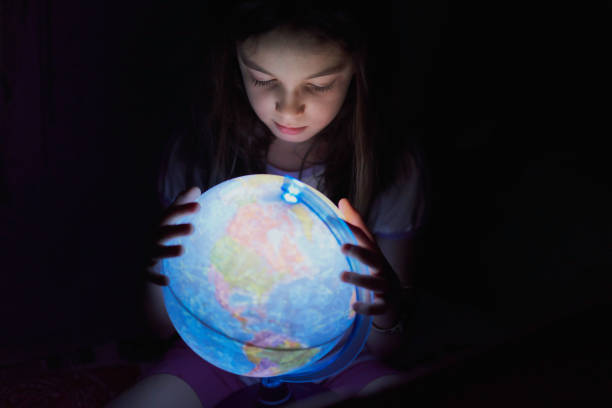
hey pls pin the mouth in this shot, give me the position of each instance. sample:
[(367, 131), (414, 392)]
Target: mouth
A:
[(290, 130)]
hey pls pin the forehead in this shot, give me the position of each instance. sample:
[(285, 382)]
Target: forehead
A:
[(283, 43)]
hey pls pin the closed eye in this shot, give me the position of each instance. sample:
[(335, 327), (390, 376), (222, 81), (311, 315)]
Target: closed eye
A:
[(262, 83), (322, 88), (313, 87)]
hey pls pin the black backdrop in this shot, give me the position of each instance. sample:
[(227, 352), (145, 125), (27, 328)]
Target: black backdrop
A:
[(509, 102)]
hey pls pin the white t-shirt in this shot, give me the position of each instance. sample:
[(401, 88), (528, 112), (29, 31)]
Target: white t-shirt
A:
[(396, 213)]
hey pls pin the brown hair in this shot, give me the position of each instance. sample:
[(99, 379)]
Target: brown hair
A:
[(354, 165)]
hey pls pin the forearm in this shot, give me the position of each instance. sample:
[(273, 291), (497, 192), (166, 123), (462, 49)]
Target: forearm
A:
[(155, 313), (385, 345)]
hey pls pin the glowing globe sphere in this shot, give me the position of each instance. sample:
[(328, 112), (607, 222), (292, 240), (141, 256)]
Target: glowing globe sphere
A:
[(257, 290)]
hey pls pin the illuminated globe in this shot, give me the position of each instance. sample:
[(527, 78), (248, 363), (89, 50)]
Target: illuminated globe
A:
[(257, 290)]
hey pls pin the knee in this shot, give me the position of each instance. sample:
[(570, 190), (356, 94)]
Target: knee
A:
[(159, 390), (381, 383)]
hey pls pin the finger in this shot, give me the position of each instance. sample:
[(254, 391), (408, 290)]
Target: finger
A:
[(364, 255), (353, 217), (170, 251), (191, 194), (175, 212), (361, 236), (167, 232), (372, 283), (157, 279), (377, 307)]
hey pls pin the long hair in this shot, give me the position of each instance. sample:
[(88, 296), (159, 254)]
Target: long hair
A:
[(354, 164)]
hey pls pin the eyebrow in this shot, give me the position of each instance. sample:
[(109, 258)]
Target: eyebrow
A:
[(327, 71)]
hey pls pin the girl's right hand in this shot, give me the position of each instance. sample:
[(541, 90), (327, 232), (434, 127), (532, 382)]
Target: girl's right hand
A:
[(183, 205)]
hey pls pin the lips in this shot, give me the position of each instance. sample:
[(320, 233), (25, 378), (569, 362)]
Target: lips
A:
[(289, 129)]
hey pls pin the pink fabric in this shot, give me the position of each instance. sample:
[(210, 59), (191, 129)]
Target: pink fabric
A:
[(212, 385)]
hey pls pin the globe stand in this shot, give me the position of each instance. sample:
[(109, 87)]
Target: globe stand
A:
[(271, 392)]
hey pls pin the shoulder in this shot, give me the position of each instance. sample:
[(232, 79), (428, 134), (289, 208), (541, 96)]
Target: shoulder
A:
[(398, 211)]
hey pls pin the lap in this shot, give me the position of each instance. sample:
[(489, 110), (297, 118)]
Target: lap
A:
[(158, 390), (212, 384), (363, 374)]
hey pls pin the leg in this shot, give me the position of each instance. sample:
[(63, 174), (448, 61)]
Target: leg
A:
[(381, 383), (158, 390), (182, 374), (365, 375)]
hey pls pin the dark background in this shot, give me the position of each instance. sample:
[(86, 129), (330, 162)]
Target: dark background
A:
[(510, 103)]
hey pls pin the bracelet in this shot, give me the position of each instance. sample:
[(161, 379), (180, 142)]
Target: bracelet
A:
[(397, 328), (407, 292)]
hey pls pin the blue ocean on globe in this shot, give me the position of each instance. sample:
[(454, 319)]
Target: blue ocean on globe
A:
[(257, 290)]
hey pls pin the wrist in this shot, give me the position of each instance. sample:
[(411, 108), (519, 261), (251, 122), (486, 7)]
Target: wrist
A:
[(386, 320), (398, 327), (393, 320)]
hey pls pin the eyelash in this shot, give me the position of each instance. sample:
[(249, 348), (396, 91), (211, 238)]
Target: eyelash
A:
[(313, 87)]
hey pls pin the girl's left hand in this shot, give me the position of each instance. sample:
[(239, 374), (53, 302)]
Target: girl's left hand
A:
[(382, 280)]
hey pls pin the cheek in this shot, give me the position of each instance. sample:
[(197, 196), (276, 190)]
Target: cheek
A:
[(328, 107), (332, 102), (259, 100), (323, 112)]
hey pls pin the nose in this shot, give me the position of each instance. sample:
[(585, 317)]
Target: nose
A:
[(290, 106)]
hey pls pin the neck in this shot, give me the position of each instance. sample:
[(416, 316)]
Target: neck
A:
[(289, 156)]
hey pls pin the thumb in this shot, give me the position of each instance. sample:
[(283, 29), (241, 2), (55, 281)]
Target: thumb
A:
[(189, 195), (352, 216)]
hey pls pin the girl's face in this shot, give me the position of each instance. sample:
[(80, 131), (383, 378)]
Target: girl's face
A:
[(295, 84)]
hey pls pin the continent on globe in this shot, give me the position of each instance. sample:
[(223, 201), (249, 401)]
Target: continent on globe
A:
[(279, 354), (257, 289)]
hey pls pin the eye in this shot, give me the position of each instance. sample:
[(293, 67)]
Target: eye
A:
[(313, 87), (322, 88), (262, 83)]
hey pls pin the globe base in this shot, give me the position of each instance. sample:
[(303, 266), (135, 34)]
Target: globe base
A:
[(259, 396)]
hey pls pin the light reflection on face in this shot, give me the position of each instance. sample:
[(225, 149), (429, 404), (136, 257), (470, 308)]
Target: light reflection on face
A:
[(295, 81)]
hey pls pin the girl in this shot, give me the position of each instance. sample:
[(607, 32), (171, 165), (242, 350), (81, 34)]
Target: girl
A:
[(293, 93)]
